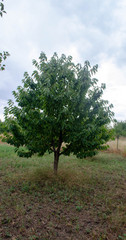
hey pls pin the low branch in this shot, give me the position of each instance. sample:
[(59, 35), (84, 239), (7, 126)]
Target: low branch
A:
[(65, 150), (60, 141)]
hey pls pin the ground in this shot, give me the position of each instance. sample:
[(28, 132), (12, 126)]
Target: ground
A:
[(87, 200)]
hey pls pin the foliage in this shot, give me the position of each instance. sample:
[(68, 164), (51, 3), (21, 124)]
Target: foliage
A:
[(3, 55), (60, 103), (2, 9), (120, 129), (3, 127)]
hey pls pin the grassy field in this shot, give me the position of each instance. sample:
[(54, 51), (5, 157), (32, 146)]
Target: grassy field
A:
[(87, 200)]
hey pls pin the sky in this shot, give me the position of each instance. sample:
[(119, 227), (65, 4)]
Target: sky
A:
[(92, 30)]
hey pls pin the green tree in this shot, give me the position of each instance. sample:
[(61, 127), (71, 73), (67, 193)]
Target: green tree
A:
[(120, 130), (5, 54), (3, 57), (2, 8), (3, 127), (59, 109)]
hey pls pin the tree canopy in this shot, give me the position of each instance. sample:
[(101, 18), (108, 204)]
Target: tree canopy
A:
[(59, 109), (5, 54), (3, 57), (3, 127), (120, 130), (2, 8)]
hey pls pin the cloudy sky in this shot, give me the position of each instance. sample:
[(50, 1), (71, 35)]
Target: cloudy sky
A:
[(92, 30)]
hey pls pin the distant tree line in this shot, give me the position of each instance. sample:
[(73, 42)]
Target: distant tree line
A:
[(119, 130)]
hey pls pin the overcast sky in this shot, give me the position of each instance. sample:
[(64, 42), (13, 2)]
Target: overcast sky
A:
[(92, 30)]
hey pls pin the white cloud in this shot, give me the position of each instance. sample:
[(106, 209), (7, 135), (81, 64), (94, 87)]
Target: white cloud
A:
[(115, 80), (93, 30), (111, 73), (2, 105)]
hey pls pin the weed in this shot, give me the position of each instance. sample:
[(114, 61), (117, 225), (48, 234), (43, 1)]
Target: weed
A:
[(8, 235), (88, 230), (122, 237), (33, 237), (5, 220), (77, 227), (79, 208), (11, 189)]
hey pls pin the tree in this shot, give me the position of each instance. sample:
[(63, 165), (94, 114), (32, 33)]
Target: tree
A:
[(3, 127), (2, 8), (5, 54), (59, 109), (120, 130), (3, 57)]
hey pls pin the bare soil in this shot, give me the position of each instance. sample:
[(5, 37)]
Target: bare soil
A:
[(43, 218)]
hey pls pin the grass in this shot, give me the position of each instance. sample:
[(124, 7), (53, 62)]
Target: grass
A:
[(87, 200), (121, 146)]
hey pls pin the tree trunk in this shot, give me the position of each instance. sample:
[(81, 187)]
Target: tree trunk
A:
[(57, 152), (56, 160), (117, 143)]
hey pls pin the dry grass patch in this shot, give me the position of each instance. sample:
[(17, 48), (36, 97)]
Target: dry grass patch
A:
[(121, 146)]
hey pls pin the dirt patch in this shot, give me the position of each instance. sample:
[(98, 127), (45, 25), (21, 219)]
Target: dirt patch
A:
[(46, 214), (44, 219)]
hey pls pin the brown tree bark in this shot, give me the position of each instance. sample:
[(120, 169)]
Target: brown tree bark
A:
[(56, 161), (57, 152)]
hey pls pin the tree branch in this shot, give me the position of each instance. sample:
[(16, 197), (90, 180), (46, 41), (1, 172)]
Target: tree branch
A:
[(65, 150), (60, 141)]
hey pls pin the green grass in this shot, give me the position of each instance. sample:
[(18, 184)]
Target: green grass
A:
[(87, 198)]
